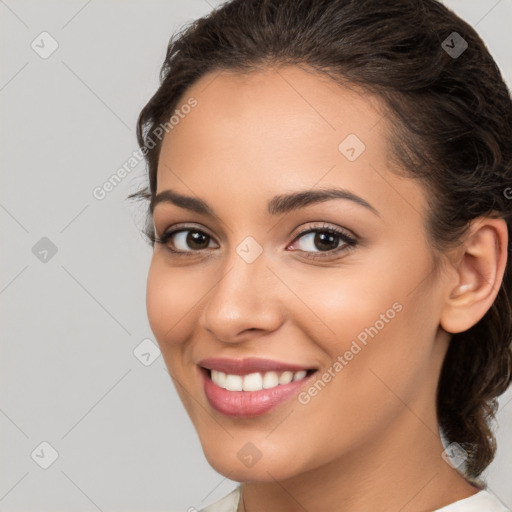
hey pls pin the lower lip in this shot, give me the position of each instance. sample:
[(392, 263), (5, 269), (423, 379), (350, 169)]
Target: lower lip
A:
[(246, 404)]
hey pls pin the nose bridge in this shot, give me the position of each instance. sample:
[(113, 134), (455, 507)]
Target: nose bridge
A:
[(244, 296)]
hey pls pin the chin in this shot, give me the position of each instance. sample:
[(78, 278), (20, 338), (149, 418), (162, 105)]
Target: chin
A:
[(239, 461)]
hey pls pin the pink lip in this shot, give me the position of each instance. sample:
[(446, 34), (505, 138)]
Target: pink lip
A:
[(249, 365), (246, 404)]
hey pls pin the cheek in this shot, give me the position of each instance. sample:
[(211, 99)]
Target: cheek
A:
[(168, 300), (344, 306), (156, 292), (377, 320)]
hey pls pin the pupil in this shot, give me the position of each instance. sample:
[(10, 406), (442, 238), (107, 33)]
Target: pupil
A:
[(321, 239), (195, 238)]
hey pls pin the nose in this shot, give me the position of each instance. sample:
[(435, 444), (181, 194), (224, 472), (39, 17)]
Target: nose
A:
[(244, 299)]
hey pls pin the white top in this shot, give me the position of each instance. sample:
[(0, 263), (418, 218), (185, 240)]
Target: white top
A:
[(482, 501)]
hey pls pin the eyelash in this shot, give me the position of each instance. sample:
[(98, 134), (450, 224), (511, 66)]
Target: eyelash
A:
[(349, 242)]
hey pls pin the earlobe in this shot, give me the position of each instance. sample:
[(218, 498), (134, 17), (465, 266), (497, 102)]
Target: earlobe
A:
[(479, 269)]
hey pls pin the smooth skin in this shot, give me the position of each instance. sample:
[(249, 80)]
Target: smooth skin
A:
[(369, 440)]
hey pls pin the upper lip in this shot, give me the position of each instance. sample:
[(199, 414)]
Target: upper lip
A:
[(249, 365)]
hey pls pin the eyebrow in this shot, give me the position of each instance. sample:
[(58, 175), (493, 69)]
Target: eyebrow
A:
[(277, 205)]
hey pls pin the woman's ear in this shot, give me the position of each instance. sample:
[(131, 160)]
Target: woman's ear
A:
[(480, 266)]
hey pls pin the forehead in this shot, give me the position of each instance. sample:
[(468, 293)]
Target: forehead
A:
[(281, 128), (285, 104)]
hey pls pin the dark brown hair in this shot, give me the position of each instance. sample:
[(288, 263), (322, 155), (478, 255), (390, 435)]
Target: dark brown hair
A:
[(450, 121)]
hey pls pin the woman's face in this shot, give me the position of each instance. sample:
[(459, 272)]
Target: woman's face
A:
[(362, 308)]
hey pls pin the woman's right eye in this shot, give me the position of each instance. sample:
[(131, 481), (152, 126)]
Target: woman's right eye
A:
[(181, 241)]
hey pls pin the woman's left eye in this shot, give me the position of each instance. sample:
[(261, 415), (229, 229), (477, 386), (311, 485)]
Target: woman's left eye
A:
[(329, 241)]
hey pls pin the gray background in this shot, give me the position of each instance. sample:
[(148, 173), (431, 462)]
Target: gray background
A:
[(70, 324)]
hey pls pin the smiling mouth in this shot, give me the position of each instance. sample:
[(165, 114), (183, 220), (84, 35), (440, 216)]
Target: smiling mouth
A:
[(255, 381)]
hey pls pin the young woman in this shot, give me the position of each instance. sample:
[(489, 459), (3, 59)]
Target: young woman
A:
[(330, 212)]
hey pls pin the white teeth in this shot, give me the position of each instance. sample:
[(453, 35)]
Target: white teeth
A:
[(233, 382), (255, 381), (286, 377), (270, 380), (219, 378), (252, 382), (299, 375)]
